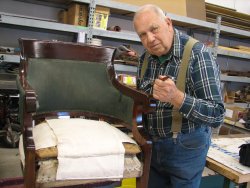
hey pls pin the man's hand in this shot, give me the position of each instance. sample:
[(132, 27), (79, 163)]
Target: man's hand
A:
[(123, 50), (165, 90)]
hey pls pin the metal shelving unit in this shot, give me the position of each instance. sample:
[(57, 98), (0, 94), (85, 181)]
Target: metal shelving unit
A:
[(9, 58), (131, 36), (180, 20), (25, 22), (235, 31), (233, 54), (39, 24), (117, 6), (235, 79)]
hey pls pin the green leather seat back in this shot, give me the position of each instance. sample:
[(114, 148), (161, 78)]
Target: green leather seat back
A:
[(72, 85)]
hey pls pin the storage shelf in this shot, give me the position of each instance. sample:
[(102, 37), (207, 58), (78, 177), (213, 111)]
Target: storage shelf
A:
[(233, 53), (235, 79), (132, 9), (22, 21), (237, 32), (241, 105), (125, 68), (35, 23), (117, 35), (9, 58), (236, 125), (189, 22)]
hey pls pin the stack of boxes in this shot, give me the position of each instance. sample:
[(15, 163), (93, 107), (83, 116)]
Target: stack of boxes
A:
[(77, 14), (128, 80)]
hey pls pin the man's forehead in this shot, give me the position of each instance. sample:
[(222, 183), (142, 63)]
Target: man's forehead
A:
[(146, 27)]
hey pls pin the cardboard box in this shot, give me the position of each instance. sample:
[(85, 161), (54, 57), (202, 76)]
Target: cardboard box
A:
[(63, 16), (229, 97), (234, 113), (101, 17), (128, 80), (190, 8), (78, 14)]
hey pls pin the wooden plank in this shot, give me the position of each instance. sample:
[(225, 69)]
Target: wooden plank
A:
[(227, 11), (228, 18), (227, 172), (215, 14), (229, 24), (244, 48), (234, 50), (223, 170)]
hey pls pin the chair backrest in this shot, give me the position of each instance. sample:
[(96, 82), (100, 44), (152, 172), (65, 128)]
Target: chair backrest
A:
[(71, 77)]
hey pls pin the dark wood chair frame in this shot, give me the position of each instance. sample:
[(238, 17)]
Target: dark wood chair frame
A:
[(32, 48)]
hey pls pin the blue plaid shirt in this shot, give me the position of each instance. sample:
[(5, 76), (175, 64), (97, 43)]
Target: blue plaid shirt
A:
[(202, 105)]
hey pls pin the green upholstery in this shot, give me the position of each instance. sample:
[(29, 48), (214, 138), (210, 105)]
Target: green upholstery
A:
[(70, 85)]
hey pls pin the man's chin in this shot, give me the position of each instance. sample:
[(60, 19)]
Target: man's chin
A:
[(157, 52)]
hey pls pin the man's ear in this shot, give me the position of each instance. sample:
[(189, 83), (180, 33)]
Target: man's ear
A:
[(168, 21)]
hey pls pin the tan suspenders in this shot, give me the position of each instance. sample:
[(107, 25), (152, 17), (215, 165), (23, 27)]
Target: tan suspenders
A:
[(181, 85), (180, 82), (144, 65)]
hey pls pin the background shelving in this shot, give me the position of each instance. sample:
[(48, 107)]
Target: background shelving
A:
[(51, 29)]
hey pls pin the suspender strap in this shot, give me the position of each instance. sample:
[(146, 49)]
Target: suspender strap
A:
[(144, 65), (181, 84)]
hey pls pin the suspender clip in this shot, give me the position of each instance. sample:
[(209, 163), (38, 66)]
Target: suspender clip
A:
[(175, 134)]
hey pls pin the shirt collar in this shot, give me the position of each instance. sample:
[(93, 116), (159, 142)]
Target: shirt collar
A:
[(180, 40)]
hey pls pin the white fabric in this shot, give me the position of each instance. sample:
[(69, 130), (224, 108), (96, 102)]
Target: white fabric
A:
[(44, 136), (21, 150), (102, 152)]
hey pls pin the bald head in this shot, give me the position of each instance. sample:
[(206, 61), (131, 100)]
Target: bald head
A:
[(154, 29), (150, 8)]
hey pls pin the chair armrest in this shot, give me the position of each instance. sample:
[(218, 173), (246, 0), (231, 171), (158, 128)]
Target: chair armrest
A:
[(27, 105), (141, 98), (142, 105), (29, 96)]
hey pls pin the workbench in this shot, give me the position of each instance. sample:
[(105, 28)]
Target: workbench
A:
[(223, 158)]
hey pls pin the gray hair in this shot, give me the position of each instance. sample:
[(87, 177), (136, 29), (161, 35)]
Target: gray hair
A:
[(150, 7)]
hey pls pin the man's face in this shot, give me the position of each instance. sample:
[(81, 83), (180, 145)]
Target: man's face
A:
[(156, 33)]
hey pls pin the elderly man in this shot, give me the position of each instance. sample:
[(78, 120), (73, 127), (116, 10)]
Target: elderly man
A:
[(180, 126)]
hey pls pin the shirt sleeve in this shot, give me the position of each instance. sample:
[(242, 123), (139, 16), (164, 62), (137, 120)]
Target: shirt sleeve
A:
[(204, 104)]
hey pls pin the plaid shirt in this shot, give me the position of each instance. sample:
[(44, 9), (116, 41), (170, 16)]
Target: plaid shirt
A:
[(202, 105)]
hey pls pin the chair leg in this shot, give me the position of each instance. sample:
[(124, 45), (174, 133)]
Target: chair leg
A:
[(142, 182), (29, 170)]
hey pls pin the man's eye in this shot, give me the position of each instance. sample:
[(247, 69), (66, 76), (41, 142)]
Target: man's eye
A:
[(142, 35), (155, 29)]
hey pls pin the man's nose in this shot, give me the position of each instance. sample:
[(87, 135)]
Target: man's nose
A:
[(150, 37)]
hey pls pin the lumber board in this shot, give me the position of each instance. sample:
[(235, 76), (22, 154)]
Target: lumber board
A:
[(227, 11), (234, 49), (229, 24), (228, 18), (240, 47)]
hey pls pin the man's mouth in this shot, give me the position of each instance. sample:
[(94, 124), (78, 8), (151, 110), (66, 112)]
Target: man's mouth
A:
[(154, 46)]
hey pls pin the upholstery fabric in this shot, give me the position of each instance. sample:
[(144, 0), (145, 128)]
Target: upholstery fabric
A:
[(119, 105), (47, 172), (46, 143)]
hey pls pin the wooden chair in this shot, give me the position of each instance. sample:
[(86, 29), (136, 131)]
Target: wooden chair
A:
[(79, 80)]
